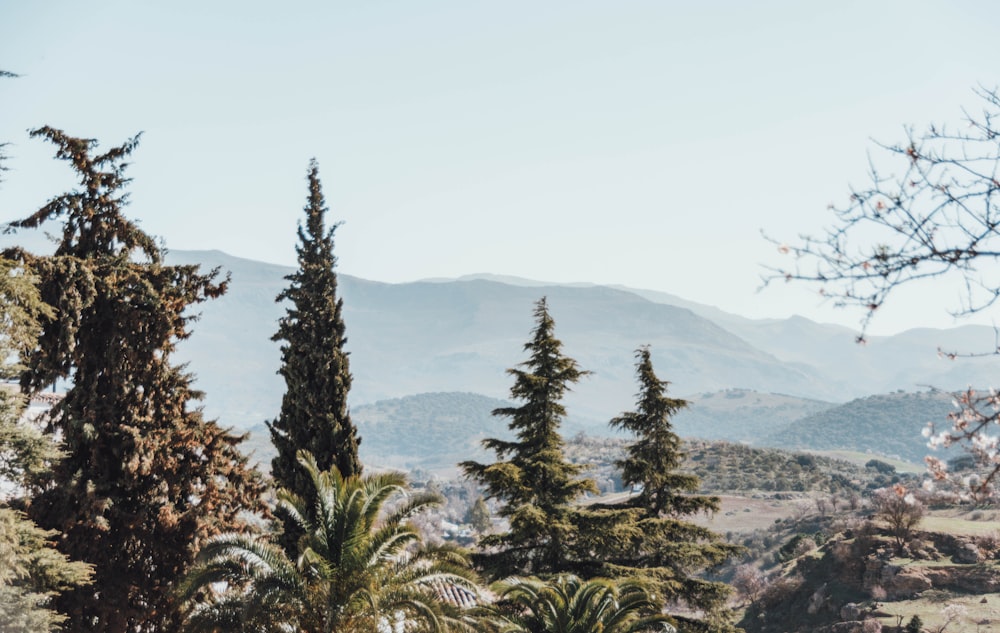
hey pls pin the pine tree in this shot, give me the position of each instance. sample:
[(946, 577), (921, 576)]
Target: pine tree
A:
[(314, 414), (31, 570), (145, 479), (664, 547), (539, 488)]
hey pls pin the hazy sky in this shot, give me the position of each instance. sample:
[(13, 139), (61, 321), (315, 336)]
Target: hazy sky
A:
[(641, 143)]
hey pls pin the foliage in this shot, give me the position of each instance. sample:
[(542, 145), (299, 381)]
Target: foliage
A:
[(657, 543), (314, 414), (536, 483), (728, 467), (889, 423), (354, 570), (568, 604), (479, 516), (32, 571), (145, 478)]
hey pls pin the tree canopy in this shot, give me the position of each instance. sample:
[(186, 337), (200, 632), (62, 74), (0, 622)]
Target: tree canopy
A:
[(145, 478), (538, 486), (314, 413), (658, 544)]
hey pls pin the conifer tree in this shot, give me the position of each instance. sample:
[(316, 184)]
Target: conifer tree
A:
[(314, 415), (31, 570), (664, 547), (145, 478), (539, 488)]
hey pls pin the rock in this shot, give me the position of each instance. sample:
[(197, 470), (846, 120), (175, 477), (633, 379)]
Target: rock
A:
[(968, 554), (907, 582), (850, 612)]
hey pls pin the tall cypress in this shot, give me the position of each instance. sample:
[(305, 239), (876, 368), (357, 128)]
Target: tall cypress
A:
[(663, 546), (314, 413), (538, 486), (145, 478)]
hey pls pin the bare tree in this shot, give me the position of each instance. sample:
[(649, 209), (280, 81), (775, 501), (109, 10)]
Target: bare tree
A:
[(749, 583), (938, 215), (900, 510)]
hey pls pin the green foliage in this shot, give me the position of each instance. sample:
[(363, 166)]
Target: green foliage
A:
[(32, 572), (314, 414), (145, 478), (658, 543), (880, 466), (915, 625), (539, 488), (357, 567), (479, 516), (890, 423), (568, 604)]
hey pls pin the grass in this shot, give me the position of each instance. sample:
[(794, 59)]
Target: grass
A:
[(957, 525), (860, 459), (979, 616)]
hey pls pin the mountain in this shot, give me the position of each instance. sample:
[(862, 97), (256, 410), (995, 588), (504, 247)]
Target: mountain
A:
[(886, 424), (462, 336), (742, 415)]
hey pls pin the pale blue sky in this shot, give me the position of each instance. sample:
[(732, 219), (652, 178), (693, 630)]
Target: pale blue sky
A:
[(641, 143)]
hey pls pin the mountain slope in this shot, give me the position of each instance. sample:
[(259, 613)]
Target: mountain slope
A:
[(887, 424), (462, 336)]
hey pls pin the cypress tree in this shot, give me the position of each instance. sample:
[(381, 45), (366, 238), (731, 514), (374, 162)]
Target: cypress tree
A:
[(314, 414), (539, 488), (664, 547), (145, 478)]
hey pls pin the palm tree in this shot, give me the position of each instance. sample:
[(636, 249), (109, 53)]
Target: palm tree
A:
[(360, 566), (568, 604)]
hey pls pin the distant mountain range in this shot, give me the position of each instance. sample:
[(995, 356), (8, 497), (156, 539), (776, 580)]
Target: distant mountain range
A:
[(767, 381), (461, 335)]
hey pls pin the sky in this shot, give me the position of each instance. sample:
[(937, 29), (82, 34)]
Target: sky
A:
[(644, 143)]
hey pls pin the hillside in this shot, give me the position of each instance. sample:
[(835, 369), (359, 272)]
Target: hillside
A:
[(427, 431), (742, 415), (462, 336), (887, 424)]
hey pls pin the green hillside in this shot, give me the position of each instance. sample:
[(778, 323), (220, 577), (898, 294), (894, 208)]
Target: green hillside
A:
[(886, 424), (429, 431)]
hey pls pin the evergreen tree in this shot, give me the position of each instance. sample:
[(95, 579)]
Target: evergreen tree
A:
[(537, 485), (663, 546), (314, 414), (32, 572), (145, 478)]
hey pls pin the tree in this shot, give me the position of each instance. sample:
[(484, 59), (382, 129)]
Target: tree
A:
[(662, 546), (354, 571), (568, 604), (479, 516), (936, 217), (145, 478), (32, 571), (314, 414), (539, 488), (900, 510)]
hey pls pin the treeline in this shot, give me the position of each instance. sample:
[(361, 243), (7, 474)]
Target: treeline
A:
[(131, 512)]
